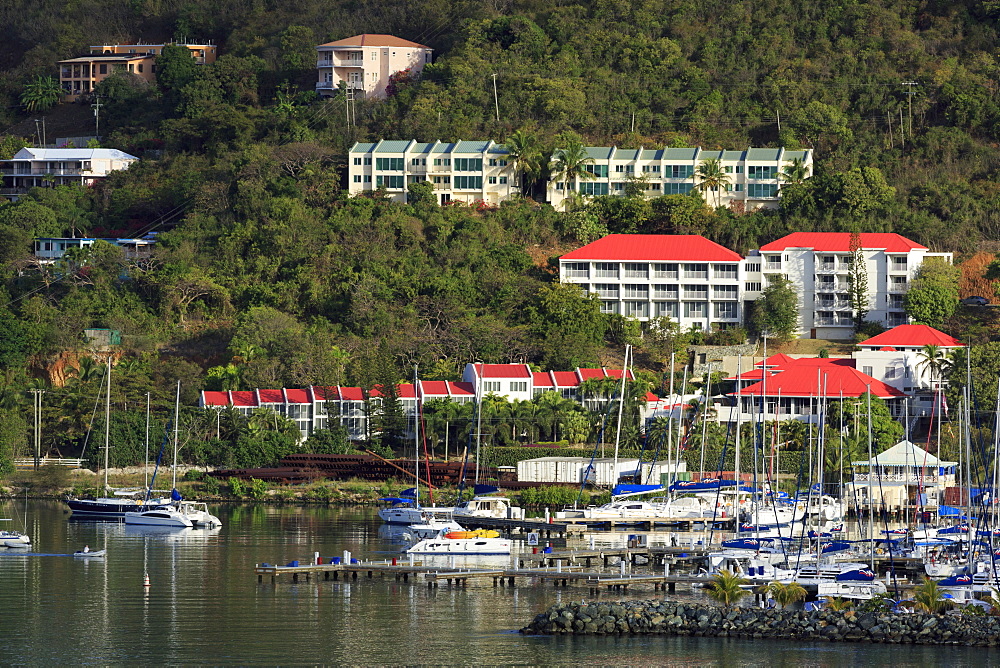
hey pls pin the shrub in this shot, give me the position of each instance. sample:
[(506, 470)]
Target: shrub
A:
[(211, 486), (237, 488), (193, 475), (258, 489)]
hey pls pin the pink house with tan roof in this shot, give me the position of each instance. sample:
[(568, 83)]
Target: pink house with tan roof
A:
[(364, 63)]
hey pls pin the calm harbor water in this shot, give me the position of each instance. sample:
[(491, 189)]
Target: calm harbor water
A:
[(204, 605)]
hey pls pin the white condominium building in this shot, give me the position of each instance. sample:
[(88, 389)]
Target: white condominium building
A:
[(465, 171), (364, 63), (751, 176), (819, 266), (687, 278)]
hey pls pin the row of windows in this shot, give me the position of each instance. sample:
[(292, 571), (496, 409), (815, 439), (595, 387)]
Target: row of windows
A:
[(729, 311), (654, 269), (396, 164), (661, 291), (494, 386), (600, 171)]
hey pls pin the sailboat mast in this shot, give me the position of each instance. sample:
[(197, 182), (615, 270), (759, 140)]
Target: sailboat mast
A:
[(177, 432), (107, 426), (871, 459), (416, 438), (739, 412), (145, 467), (621, 405)]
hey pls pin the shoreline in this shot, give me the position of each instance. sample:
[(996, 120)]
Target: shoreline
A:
[(671, 618)]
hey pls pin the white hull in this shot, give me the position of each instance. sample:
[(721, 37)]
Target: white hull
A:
[(199, 515), (14, 539), (92, 553), (431, 529), (408, 516), (859, 591), (491, 507), (161, 517), (462, 546)]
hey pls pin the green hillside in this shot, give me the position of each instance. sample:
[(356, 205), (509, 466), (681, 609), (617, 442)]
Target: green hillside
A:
[(267, 274)]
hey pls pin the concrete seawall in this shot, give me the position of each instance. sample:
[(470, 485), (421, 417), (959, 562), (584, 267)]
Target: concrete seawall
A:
[(687, 619)]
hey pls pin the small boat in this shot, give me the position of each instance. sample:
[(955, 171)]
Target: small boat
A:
[(443, 545), (14, 539), (197, 512), (163, 517), (485, 505), (90, 553)]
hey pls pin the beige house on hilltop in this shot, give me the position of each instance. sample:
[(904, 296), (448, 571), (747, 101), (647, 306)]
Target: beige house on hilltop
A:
[(365, 63)]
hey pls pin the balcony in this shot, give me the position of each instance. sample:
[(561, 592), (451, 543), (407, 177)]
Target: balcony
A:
[(700, 296), (905, 478), (71, 171), (899, 287), (826, 267)]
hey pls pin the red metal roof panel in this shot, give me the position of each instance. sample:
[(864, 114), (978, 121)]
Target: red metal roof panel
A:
[(212, 398), (803, 381), (297, 396), (542, 379), (462, 389), (912, 336), (503, 371), (840, 242), (656, 248), (243, 398), (271, 396)]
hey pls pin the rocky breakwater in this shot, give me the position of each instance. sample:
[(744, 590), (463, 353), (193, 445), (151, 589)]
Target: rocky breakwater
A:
[(687, 619)]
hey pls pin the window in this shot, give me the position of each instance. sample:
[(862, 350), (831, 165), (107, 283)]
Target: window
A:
[(104, 68), (442, 162), (752, 287), (636, 270), (665, 309), (695, 310), (414, 178), (468, 183), (753, 267), (678, 171), (890, 373), (650, 169), (357, 178), (494, 162), (636, 291), (739, 169), (493, 180), (600, 171), (389, 164), (772, 262), (491, 386), (576, 270), (389, 181), (654, 186), (593, 188), (898, 264), (618, 186), (729, 169), (624, 169), (696, 270), (762, 172), (374, 56), (726, 291), (368, 162), (606, 290), (867, 370), (609, 307), (468, 164), (606, 270), (140, 67), (636, 309), (664, 270), (442, 179), (696, 292), (368, 178), (728, 310), (519, 386), (762, 190), (728, 271), (357, 161), (677, 188), (503, 180), (664, 291), (416, 162)]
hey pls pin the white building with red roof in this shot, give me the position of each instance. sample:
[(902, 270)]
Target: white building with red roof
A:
[(685, 277), (899, 358), (819, 266), (364, 63)]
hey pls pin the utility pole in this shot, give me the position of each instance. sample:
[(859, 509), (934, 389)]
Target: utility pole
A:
[(496, 99), (37, 405), (38, 131), (97, 116), (909, 99)]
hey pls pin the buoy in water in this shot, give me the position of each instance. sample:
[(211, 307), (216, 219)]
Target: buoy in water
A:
[(145, 580)]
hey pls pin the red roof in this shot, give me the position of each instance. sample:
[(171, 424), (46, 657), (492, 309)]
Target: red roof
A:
[(437, 388), (270, 396), (654, 247), (541, 379), (617, 373), (297, 396), (368, 39), (503, 370), (776, 360), (406, 391), (587, 374), (243, 398), (352, 394), (755, 374), (887, 349), (566, 378), (651, 398), (325, 393), (462, 389), (212, 398), (803, 381), (912, 336), (840, 242)]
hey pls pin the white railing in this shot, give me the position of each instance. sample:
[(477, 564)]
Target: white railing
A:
[(909, 478)]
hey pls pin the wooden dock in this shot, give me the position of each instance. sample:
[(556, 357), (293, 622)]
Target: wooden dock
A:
[(564, 527)]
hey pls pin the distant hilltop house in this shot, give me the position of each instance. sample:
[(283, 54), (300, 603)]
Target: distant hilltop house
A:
[(46, 167), (79, 76), (49, 250), (364, 63), (470, 171)]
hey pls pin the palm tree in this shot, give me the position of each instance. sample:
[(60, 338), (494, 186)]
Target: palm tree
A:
[(837, 604), (785, 594), (725, 588), (712, 176), (936, 361), (41, 94), (794, 173), (525, 154), (569, 164), (929, 597)]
